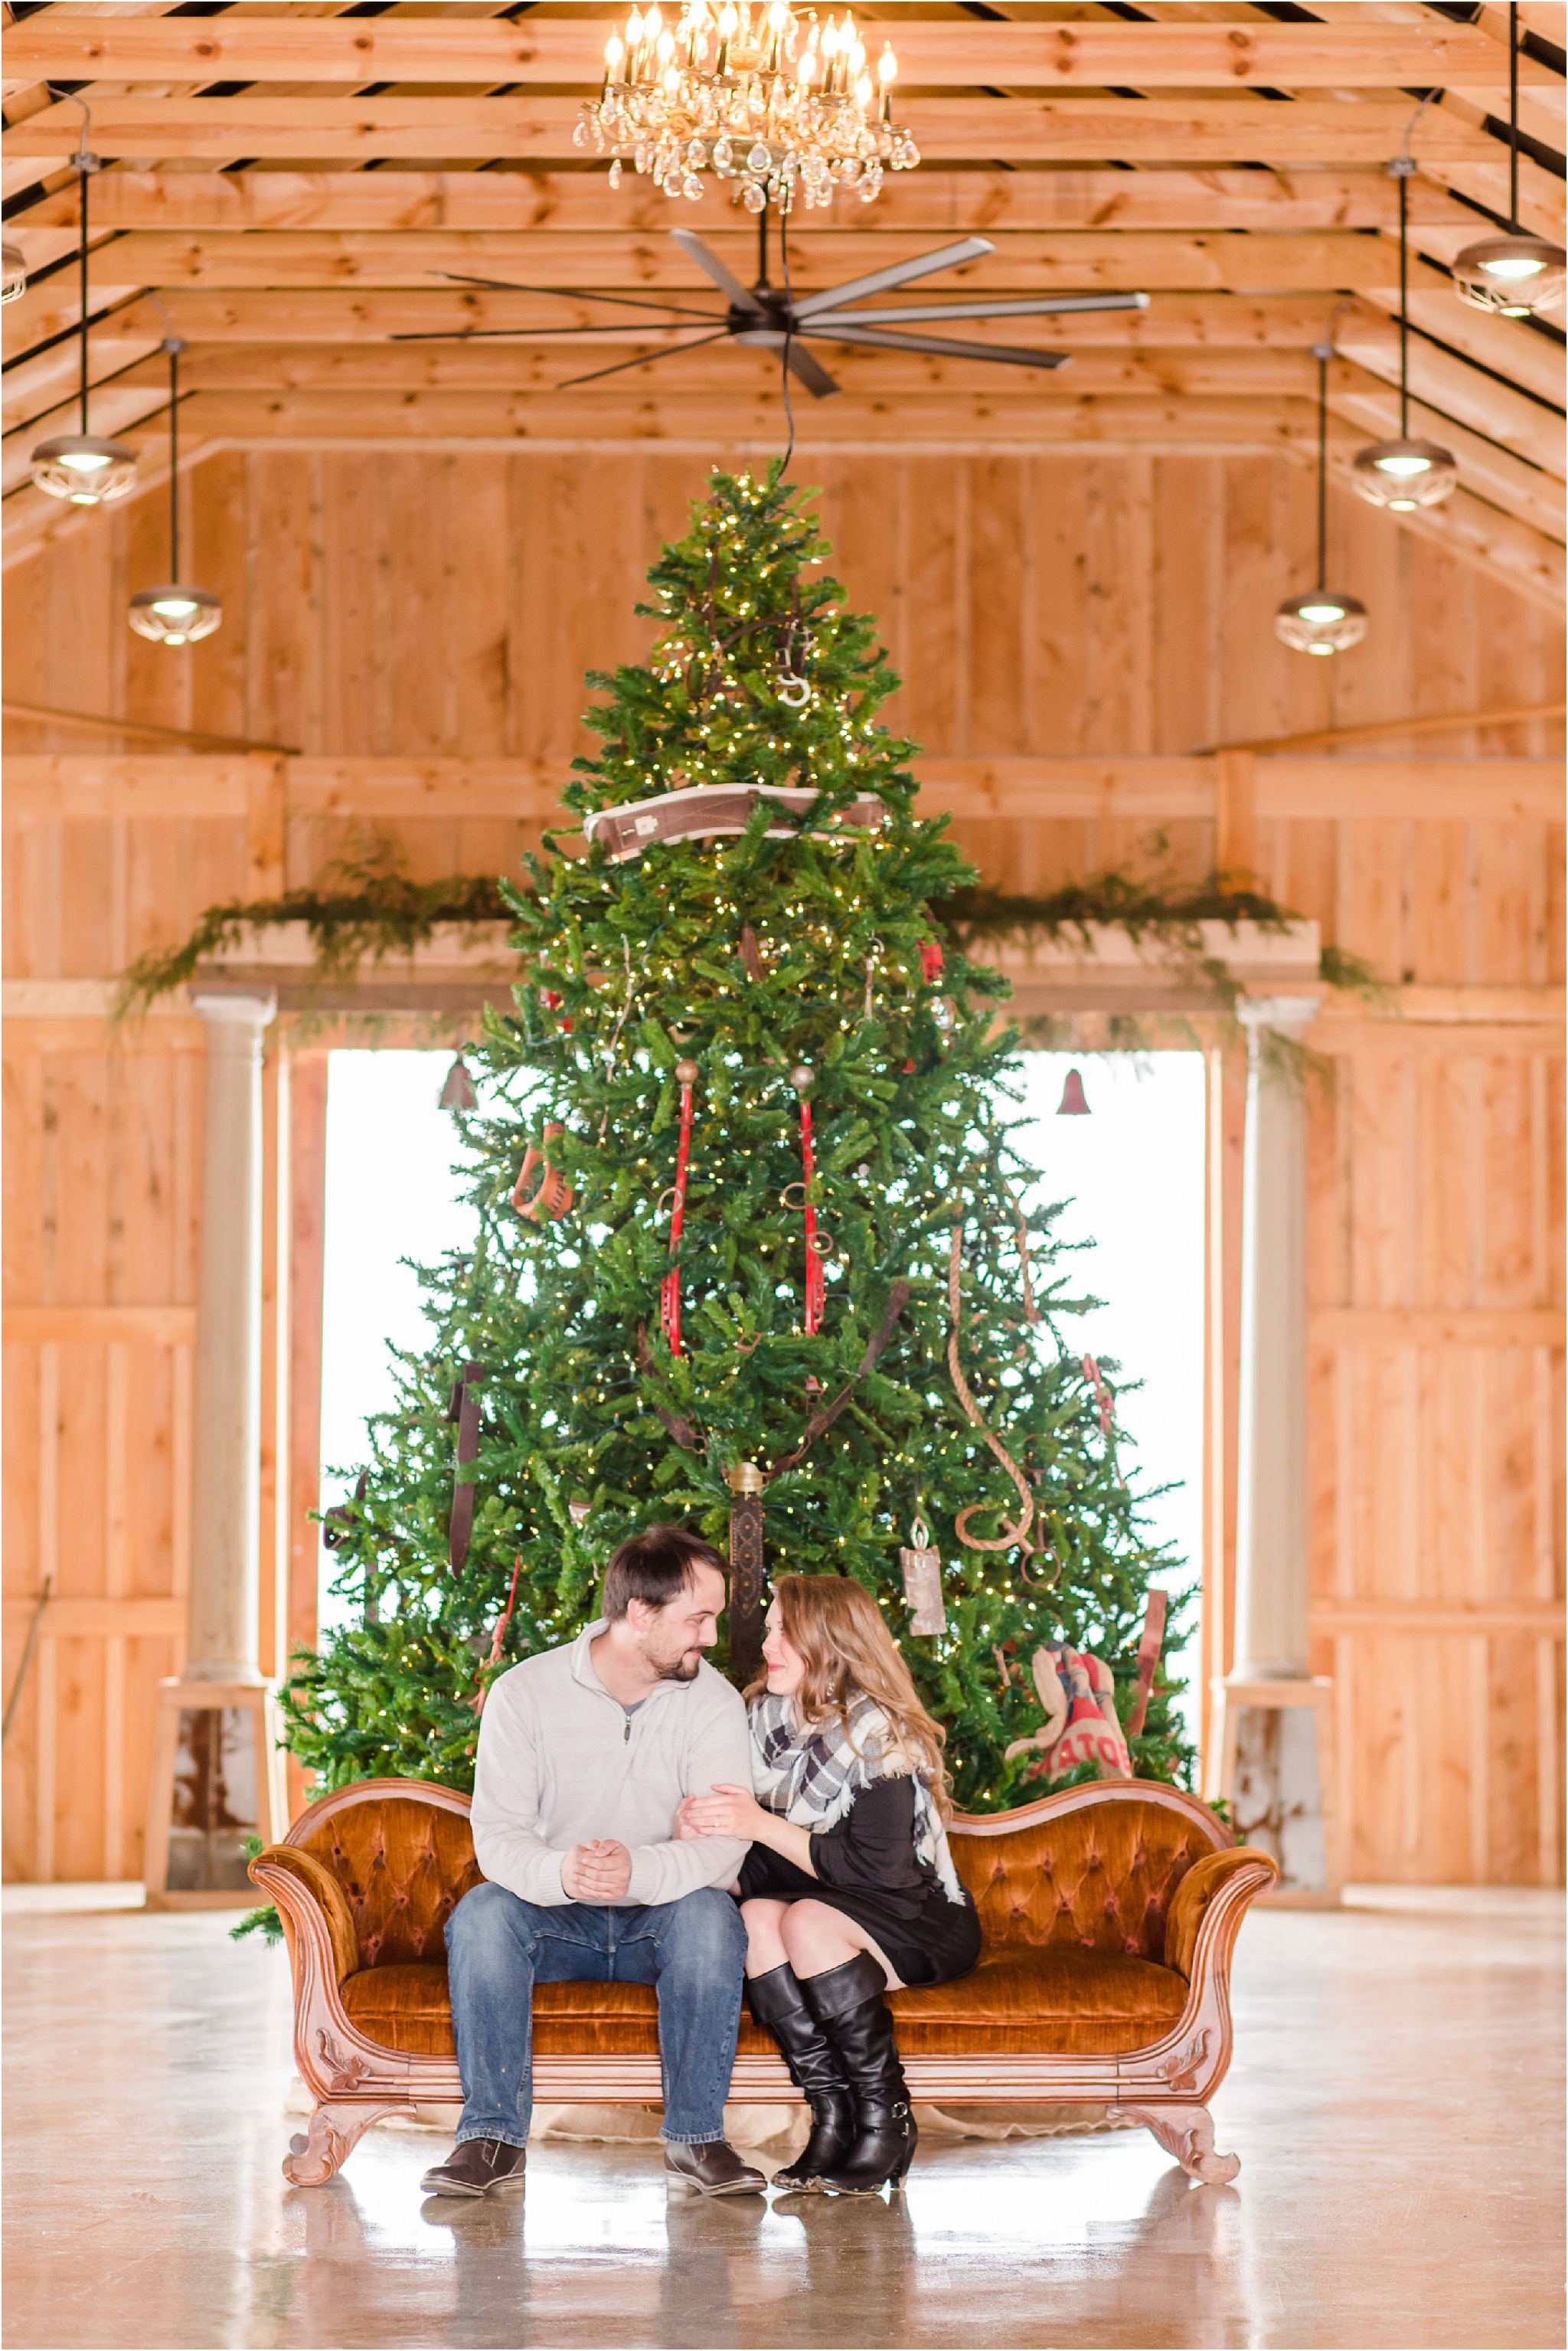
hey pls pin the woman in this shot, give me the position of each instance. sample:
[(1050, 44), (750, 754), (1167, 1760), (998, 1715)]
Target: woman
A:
[(848, 1888)]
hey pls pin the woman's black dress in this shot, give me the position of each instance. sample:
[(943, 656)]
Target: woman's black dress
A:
[(867, 1867)]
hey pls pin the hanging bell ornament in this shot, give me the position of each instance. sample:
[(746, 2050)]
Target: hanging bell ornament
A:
[(579, 1509), (458, 1092), (1072, 1104), (922, 1565)]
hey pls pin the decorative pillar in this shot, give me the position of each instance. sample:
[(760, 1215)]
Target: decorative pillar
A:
[(216, 1774), (226, 1569), (1272, 1485), (1272, 1721)]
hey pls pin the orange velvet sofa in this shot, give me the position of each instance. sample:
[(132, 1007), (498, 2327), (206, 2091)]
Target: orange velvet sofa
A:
[(1109, 1914)]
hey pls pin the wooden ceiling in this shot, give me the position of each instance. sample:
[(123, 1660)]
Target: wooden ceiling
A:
[(284, 183)]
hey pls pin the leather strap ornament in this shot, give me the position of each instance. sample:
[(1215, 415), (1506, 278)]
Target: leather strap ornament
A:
[(1149, 1648), (825, 1417), (463, 1409), (552, 1196)]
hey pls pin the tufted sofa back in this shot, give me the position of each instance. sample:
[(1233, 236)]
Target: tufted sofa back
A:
[(1101, 1876), (404, 1864)]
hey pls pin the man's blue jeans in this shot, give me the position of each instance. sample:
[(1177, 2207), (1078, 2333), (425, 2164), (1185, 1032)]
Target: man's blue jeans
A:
[(497, 1947)]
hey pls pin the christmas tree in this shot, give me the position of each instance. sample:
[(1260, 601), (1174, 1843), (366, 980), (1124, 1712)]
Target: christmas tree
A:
[(748, 1211)]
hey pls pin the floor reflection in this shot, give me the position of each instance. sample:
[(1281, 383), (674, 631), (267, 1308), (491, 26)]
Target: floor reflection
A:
[(599, 2251)]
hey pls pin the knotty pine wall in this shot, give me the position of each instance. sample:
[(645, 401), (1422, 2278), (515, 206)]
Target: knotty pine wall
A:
[(428, 604)]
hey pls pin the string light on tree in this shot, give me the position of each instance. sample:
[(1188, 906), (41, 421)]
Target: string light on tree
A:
[(716, 1196)]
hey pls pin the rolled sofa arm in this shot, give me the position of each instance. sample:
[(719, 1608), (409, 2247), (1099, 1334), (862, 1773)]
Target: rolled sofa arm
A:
[(1197, 1890), (309, 1883)]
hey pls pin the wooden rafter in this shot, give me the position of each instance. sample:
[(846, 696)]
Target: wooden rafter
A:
[(539, 129), (919, 200), (952, 54)]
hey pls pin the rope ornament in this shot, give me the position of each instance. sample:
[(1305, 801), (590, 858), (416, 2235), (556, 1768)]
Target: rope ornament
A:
[(1011, 1536)]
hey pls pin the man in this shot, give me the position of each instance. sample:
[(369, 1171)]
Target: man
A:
[(585, 1753)]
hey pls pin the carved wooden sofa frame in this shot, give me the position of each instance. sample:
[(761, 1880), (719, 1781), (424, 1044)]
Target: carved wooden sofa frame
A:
[(335, 1934)]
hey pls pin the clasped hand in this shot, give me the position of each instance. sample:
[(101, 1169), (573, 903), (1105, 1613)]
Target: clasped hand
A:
[(727, 1811), (599, 1871)]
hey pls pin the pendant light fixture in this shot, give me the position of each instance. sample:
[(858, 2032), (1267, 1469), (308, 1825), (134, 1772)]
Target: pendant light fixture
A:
[(175, 614), (84, 471), (1403, 474), (13, 273), (1321, 621), (1517, 275)]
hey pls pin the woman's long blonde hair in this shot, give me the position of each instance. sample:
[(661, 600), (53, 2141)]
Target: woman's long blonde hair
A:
[(836, 1627)]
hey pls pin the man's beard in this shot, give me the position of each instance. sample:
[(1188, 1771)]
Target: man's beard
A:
[(683, 1668)]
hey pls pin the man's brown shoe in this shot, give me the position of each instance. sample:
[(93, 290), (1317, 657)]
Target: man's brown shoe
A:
[(712, 2167), (480, 2167)]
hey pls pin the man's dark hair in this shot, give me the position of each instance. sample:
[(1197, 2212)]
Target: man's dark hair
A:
[(654, 1566)]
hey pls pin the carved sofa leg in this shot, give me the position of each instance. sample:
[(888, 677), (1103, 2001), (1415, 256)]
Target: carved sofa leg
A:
[(1187, 2133), (321, 2153)]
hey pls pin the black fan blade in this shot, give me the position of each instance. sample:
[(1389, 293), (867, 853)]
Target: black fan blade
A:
[(737, 296), (515, 334), (811, 373), (644, 359), (898, 273), (944, 346), (1032, 306), (575, 294)]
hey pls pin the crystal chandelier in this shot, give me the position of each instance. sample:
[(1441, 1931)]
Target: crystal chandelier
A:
[(1517, 275), (746, 93)]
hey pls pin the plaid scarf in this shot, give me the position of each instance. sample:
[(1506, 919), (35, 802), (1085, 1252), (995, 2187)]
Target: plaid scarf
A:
[(812, 1777)]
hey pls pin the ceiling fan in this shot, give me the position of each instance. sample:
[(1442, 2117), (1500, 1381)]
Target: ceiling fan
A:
[(765, 318)]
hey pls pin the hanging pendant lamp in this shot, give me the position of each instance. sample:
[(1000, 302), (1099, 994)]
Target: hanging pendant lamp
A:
[(175, 614), (76, 466), (1516, 274), (1403, 474), (1321, 621), (13, 273)]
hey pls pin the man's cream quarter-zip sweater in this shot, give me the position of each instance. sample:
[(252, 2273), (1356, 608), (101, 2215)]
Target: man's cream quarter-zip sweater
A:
[(560, 1762)]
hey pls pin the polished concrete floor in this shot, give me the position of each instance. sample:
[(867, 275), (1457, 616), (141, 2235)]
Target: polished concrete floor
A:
[(1396, 2101)]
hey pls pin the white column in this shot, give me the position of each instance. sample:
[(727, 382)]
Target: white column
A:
[(1271, 1489), (225, 1564)]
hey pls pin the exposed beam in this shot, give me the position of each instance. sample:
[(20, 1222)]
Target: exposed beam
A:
[(444, 48), (1384, 730), (82, 722), (1191, 342), (1450, 389), (922, 200), (1533, 495), (1064, 129), (1025, 261), (1146, 788)]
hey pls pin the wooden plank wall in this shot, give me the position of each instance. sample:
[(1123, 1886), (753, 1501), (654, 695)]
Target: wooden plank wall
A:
[(1039, 605)]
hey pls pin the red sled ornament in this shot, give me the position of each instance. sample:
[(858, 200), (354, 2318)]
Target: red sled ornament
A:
[(1077, 1693), (670, 1287)]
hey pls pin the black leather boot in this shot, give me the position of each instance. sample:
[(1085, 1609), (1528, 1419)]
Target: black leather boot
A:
[(780, 2007), (848, 2003)]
